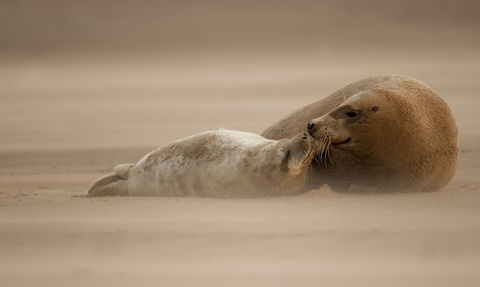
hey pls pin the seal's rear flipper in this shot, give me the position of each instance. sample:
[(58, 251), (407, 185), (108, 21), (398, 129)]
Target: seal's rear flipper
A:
[(122, 170), (112, 184), (100, 186), (107, 185)]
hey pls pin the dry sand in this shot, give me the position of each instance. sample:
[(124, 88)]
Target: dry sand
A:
[(69, 113)]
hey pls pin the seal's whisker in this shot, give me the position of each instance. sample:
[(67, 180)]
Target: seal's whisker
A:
[(329, 151), (329, 157), (322, 148)]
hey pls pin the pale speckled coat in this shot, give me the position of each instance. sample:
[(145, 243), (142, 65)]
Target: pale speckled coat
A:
[(219, 163)]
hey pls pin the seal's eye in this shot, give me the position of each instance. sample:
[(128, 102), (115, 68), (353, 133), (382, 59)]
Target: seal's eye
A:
[(375, 109), (352, 115)]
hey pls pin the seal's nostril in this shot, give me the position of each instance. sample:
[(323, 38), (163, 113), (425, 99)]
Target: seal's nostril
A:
[(310, 126), (305, 136)]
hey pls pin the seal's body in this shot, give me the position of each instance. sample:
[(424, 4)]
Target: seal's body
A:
[(390, 132), (219, 163)]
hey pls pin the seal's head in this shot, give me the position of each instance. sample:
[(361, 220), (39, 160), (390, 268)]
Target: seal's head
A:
[(297, 153), (351, 126), (280, 167)]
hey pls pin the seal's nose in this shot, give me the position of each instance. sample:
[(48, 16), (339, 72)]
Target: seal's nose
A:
[(310, 127), (305, 136)]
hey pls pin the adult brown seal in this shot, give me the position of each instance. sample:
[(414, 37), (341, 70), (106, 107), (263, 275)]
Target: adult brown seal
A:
[(391, 132), (219, 163)]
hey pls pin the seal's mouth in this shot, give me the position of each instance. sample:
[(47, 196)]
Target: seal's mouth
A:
[(342, 143)]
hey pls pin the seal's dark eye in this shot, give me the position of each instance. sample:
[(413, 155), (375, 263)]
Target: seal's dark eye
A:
[(352, 115), (375, 109)]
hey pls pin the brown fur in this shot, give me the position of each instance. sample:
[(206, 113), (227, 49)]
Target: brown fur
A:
[(410, 143)]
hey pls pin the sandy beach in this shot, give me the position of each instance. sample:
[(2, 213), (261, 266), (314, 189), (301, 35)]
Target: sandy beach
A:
[(83, 90)]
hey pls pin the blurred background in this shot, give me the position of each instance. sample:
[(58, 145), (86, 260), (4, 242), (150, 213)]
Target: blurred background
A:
[(103, 74)]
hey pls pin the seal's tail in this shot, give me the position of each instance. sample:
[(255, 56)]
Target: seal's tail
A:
[(111, 184)]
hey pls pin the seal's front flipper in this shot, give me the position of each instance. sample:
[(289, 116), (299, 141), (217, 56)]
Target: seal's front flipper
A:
[(107, 185)]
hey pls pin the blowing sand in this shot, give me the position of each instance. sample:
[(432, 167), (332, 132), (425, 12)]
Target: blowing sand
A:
[(68, 115)]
